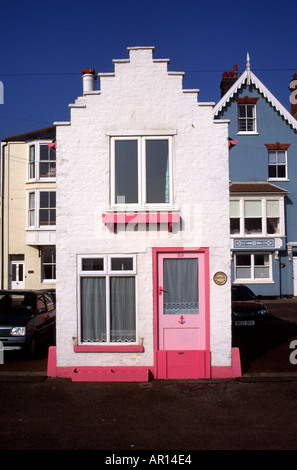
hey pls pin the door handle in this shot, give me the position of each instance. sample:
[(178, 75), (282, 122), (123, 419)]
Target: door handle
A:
[(161, 290)]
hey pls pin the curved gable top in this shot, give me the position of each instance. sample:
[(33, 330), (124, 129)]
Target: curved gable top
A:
[(249, 77)]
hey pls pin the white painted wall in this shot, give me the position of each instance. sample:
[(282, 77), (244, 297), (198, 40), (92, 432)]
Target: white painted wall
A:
[(141, 96)]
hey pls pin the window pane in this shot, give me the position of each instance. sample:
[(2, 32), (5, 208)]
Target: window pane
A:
[(48, 255), (32, 201), (243, 273), (272, 171), (273, 226), (122, 264), (281, 171), (93, 309), (32, 161), (181, 286), (44, 199), (250, 125), (252, 225), (252, 208), (44, 170), (44, 152), (126, 171), (122, 309), (93, 264), (243, 260), (242, 125), (234, 209), (272, 157), (281, 156), (234, 226), (241, 110), (272, 208), (157, 171), (52, 199), (261, 273), (261, 260), (250, 110)]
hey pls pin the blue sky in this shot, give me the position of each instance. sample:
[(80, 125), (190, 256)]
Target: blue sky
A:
[(44, 46)]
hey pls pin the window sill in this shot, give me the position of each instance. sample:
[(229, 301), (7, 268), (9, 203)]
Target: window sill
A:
[(278, 179), (248, 133), (255, 237), (140, 217), (253, 281), (108, 349)]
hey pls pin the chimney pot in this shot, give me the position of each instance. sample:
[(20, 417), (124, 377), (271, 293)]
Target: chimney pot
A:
[(89, 80)]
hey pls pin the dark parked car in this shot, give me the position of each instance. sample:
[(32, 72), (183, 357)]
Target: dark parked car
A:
[(27, 319), (247, 309)]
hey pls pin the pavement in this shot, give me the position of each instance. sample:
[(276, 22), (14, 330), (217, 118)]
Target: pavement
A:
[(257, 411)]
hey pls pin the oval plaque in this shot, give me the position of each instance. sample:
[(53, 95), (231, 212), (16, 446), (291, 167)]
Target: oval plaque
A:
[(220, 278)]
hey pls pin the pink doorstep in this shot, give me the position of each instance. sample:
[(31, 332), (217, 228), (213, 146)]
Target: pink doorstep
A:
[(200, 362)]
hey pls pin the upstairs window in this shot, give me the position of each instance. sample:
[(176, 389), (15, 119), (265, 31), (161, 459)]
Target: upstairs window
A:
[(41, 209), (277, 161), (41, 162), (141, 171), (247, 115)]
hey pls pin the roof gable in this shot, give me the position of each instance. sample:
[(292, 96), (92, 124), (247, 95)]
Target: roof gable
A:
[(250, 78)]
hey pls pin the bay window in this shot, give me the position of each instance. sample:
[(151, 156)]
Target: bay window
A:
[(107, 299), (256, 217), (141, 171), (41, 208), (41, 162)]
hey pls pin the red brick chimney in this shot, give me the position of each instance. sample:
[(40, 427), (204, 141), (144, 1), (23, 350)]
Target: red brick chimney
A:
[(228, 79), (293, 95)]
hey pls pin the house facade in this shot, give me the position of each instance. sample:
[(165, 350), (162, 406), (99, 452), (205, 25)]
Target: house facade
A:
[(143, 255), (263, 185), (28, 206)]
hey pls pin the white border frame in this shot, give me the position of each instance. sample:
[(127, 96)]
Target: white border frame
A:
[(106, 273), (142, 204)]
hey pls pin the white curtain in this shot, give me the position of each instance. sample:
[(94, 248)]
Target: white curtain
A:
[(93, 309), (180, 279), (122, 309)]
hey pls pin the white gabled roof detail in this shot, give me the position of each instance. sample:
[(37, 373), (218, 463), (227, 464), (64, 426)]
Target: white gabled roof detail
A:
[(249, 77)]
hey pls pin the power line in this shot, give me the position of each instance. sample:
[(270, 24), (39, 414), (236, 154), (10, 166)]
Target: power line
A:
[(48, 74)]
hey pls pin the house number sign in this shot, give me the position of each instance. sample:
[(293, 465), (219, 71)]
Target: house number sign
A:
[(220, 278)]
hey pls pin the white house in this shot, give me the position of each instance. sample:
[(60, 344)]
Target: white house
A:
[(143, 256)]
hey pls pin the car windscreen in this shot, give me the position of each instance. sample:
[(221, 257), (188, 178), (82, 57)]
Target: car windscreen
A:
[(242, 293), (17, 304)]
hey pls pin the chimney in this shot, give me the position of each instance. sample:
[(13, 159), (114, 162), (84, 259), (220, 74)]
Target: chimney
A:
[(228, 79), (293, 95), (89, 80)]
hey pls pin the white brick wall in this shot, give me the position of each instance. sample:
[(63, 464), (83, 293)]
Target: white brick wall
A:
[(141, 96)]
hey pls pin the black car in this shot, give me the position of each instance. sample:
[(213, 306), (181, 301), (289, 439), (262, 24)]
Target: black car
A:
[(247, 309), (27, 319)]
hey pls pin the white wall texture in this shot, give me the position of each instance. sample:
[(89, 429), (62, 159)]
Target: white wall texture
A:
[(141, 96)]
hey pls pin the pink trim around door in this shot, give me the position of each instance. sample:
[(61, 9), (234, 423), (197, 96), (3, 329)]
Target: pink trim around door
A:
[(189, 363)]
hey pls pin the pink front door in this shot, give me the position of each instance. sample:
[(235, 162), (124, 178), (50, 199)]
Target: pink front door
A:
[(181, 314)]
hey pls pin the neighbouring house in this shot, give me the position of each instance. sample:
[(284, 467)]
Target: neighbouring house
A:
[(263, 184), (143, 243), (28, 210)]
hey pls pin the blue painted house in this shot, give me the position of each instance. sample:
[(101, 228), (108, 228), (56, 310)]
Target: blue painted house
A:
[(263, 185)]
